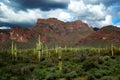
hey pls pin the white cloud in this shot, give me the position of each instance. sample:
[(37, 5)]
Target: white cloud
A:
[(60, 14), (64, 16), (77, 6), (96, 15), (107, 21), (4, 27), (9, 15), (98, 11)]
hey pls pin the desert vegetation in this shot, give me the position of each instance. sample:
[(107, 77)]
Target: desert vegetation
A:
[(60, 63)]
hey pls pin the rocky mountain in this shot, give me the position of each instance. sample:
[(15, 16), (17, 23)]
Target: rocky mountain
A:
[(4, 35), (103, 37), (52, 32), (55, 32)]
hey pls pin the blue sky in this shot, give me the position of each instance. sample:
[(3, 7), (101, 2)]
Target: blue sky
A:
[(96, 13)]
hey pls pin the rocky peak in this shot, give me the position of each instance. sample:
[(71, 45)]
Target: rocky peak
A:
[(50, 21), (4, 35), (55, 23), (20, 34), (52, 31), (78, 24), (107, 35)]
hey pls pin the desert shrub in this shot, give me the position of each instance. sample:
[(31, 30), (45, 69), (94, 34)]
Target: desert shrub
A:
[(47, 63), (100, 60), (80, 57), (50, 77), (90, 77), (51, 69), (117, 69), (39, 73), (59, 75), (71, 75), (54, 76), (118, 77), (68, 68), (14, 78), (80, 71), (106, 78), (106, 58), (89, 64), (98, 74), (103, 72), (5, 76)]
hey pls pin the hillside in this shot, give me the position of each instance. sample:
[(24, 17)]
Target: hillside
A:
[(103, 37), (52, 32)]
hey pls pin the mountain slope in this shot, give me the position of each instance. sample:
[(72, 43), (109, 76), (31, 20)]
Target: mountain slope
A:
[(58, 32), (103, 37), (52, 32)]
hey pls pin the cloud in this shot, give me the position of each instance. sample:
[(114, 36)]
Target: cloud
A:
[(96, 13), (20, 17), (105, 2), (4, 27), (107, 21), (10, 16), (77, 6), (30, 16), (40, 4)]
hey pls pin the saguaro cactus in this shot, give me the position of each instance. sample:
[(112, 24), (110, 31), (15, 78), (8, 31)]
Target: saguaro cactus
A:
[(47, 51), (60, 59), (14, 51), (112, 49), (39, 48), (12, 48)]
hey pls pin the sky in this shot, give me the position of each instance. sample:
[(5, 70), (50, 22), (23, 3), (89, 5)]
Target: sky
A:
[(96, 13)]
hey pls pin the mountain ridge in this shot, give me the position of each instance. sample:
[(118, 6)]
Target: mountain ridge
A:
[(107, 35), (56, 32)]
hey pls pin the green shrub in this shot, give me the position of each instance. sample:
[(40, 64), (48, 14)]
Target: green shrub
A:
[(14, 78), (98, 75), (118, 77), (54, 76), (50, 77), (106, 78), (90, 77), (89, 64), (80, 71), (71, 75)]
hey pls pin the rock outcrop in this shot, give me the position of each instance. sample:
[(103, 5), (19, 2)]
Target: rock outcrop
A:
[(105, 36), (52, 32)]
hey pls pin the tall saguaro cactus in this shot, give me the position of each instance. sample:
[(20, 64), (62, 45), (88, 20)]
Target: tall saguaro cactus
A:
[(14, 51), (39, 48), (12, 48), (60, 59), (112, 47)]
